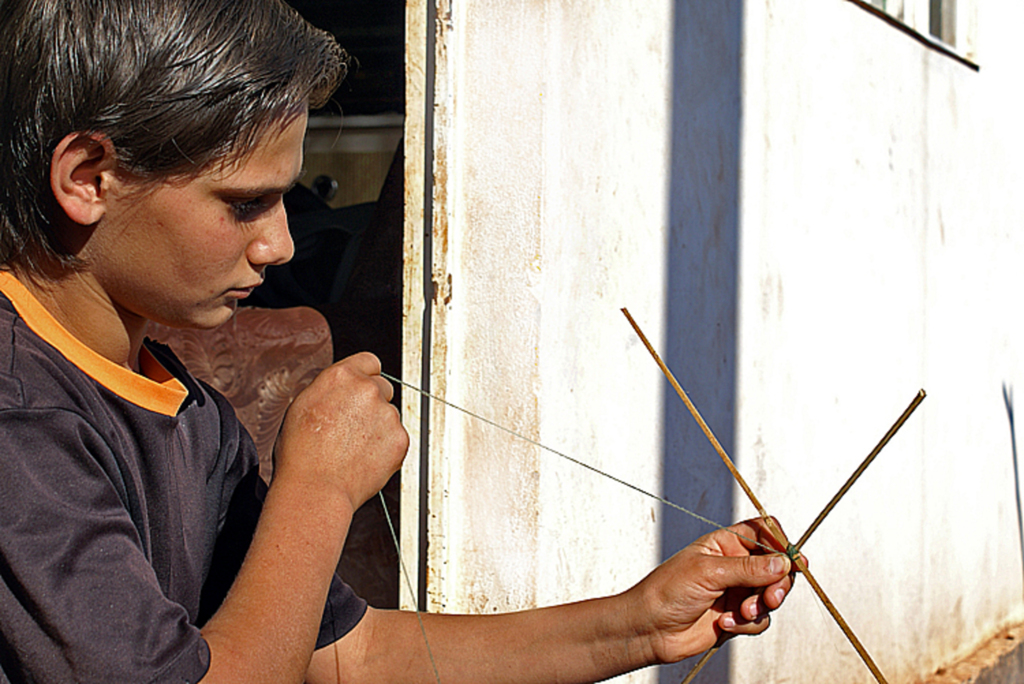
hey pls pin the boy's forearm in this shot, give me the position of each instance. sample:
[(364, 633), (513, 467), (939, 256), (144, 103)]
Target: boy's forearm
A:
[(713, 586), (267, 626), (579, 642), (339, 443)]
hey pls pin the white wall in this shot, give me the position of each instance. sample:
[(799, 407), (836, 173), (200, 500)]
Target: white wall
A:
[(881, 252), (549, 215), (553, 206), (813, 216)]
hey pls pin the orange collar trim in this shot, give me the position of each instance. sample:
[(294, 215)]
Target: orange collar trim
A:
[(156, 390)]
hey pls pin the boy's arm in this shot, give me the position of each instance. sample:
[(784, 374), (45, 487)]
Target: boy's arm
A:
[(340, 443), (680, 609)]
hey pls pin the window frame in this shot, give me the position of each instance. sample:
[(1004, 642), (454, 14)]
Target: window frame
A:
[(915, 18)]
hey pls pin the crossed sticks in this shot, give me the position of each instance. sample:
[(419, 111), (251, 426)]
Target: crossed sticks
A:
[(792, 550)]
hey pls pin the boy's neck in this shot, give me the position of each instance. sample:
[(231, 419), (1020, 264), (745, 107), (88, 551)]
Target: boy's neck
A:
[(82, 309)]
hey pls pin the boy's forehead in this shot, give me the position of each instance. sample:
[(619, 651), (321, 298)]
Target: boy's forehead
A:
[(273, 164)]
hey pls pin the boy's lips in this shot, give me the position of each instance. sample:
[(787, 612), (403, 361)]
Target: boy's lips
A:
[(242, 292), (246, 290)]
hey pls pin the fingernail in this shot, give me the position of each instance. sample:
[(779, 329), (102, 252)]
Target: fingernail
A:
[(775, 566), (780, 594), (728, 621)]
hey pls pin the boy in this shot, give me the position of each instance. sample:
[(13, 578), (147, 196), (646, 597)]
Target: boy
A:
[(146, 146)]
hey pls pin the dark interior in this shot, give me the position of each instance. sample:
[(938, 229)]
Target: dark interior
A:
[(348, 262)]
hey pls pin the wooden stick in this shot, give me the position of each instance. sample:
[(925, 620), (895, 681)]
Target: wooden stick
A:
[(817, 521), (829, 606), (860, 470), (707, 432), (699, 665), (773, 528), (854, 641)]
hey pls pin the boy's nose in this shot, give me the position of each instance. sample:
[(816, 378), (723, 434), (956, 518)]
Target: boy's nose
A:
[(274, 245)]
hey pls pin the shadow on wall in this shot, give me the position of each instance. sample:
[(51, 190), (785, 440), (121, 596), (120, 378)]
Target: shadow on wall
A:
[(1008, 401), (701, 331)]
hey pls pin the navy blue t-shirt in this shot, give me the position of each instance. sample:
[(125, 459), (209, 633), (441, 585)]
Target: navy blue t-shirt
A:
[(127, 504)]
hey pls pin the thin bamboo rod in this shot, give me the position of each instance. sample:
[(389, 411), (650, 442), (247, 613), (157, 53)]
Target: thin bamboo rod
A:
[(776, 532), (814, 526), (829, 606), (769, 521), (699, 665), (854, 641), (861, 468)]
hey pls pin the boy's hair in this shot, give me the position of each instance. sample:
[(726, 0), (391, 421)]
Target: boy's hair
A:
[(176, 86)]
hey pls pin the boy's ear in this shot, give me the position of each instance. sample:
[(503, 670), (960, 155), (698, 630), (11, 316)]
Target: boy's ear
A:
[(81, 172)]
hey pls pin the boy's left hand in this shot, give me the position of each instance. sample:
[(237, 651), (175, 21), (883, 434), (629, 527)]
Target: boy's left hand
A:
[(720, 584)]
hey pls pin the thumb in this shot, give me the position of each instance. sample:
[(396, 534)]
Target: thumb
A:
[(752, 571)]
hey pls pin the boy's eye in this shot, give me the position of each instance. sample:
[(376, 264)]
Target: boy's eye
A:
[(248, 209)]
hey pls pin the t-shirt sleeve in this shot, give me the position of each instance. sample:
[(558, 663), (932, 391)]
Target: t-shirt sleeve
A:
[(343, 612), (79, 600)]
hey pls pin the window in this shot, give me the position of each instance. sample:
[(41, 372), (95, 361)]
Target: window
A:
[(948, 26), (942, 20)]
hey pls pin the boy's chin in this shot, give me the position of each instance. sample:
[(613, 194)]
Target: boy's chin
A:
[(215, 318), (203, 320)]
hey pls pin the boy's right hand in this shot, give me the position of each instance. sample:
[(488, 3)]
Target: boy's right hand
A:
[(342, 432)]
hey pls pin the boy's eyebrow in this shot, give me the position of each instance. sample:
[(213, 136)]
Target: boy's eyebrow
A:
[(257, 191)]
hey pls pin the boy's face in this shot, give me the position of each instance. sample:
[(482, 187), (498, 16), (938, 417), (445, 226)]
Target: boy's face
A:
[(184, 253)]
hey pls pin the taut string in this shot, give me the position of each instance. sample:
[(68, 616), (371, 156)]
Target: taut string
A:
[(408, 583), (578, 462), (543, 447), (792, 550)]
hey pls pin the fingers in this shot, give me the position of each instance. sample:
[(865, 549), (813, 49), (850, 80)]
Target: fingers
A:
[(774, 595), (735, 623), (770, 576), (369, 365), (751, 615), (748, 571), (727, 582), (744, 614), (365, 362), (343, 432), (750, 535), (768, 599)]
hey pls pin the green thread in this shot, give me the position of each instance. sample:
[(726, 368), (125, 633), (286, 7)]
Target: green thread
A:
[(579, 463), (408, 583)]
